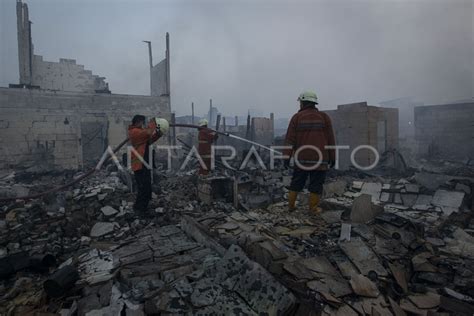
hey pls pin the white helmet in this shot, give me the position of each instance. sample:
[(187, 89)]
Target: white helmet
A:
[(308, 96), (162, 124), (203, 122)]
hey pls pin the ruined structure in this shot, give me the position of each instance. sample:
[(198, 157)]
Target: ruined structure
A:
[(358, 124), (35, 72), (63, 119), (445, 130), (160, 73)]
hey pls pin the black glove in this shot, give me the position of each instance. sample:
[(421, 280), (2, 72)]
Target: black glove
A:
[(286, 163)]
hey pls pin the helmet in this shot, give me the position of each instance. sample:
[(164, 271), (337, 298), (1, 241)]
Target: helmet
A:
[(203, 122), (308, 96), (162, 124)]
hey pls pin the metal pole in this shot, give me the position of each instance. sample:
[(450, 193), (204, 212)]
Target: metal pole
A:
[(192, 112), (168, 74)]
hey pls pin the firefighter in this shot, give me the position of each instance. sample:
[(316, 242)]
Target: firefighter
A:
[(206, 138), (313, 130), (141, 138)]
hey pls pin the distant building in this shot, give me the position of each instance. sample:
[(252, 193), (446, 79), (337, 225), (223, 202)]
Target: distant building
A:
[(358, 124), (445, 131), (212, 115)]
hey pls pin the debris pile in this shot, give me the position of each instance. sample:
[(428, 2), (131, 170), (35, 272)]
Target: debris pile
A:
[(391, 247), (226, 244)]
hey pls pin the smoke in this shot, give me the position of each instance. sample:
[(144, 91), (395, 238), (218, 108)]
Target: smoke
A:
[(261, 54)]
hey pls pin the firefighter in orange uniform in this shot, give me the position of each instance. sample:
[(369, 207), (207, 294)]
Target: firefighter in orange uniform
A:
[(206, 138), (312, 129), (141, 138)]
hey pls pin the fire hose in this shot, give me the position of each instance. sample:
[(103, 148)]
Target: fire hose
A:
[(102, 160)]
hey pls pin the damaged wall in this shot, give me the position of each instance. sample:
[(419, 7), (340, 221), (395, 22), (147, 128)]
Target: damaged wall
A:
[(58, 128), (65, 75), (358, 124), (445, 130), (262, 130)]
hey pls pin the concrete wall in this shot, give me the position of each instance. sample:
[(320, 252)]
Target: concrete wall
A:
[(446, 130), (262, 130), (159, 79), (46, 127), (65, 76), (358, 124)]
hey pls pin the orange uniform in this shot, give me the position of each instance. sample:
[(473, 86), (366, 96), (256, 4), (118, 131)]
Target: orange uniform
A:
[(206, 138), (311, 127), (141, 138)]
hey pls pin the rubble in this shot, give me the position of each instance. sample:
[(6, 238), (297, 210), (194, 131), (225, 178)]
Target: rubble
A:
[(381, 246)]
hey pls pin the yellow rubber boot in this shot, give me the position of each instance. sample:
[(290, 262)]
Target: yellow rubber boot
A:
[(292, 195), (314, 199)]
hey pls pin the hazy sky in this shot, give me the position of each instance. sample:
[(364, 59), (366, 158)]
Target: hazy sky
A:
[(260, 54)]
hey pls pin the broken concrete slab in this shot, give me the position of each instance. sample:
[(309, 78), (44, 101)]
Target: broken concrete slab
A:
[(236, 272), (451, 199), (335, 188), (373, 189), (425, 301), (462, 244), (331, 217), (409, 199), (108, 211), (103, 228), (399, 275), (361, 285), (363, 210), (357, 185), (424, 199), (412, 188), (431, 181), (205, 292), (386, 197), (345, 232), (363, 257)]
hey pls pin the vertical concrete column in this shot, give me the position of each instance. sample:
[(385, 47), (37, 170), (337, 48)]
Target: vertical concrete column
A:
[(25, 53), (150, 60), (168, 71)]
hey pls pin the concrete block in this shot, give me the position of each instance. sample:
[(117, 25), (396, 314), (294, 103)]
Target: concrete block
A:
[(448, 198), (373, 189), (363, 210)]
